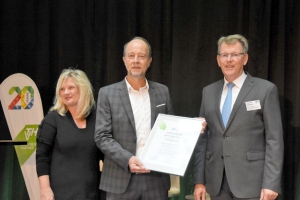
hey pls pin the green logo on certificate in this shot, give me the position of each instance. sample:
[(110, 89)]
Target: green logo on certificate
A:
[(162, 126)]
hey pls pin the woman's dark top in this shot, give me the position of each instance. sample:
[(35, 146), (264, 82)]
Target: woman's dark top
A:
[(69, 156)]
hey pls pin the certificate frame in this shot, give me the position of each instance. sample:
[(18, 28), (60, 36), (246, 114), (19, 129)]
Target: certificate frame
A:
[(171, 143)]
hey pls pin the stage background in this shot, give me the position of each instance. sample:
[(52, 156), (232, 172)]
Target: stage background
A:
[(40, 38)]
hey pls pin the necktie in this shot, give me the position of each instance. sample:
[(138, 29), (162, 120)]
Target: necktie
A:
[(226, 110)]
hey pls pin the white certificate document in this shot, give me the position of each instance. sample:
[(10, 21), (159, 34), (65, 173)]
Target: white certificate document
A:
[(171, 143)]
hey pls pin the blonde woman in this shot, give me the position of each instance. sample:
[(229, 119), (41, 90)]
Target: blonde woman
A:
[(67, 159)]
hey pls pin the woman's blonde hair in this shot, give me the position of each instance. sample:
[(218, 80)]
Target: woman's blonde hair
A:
[(86, 100)]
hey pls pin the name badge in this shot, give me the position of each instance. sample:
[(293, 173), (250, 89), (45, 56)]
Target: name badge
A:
[(253, 105)]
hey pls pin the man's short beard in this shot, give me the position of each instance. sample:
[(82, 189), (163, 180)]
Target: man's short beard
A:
[(136, 75)]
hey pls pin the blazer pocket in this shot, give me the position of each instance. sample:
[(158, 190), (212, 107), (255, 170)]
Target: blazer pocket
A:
[(163, 104), (256, 155), (161, 108)]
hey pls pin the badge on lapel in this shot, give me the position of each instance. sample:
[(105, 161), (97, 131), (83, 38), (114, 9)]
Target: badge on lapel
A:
[(253, 105)]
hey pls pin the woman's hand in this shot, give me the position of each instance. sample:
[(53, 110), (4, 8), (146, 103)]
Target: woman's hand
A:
[(47, 194)]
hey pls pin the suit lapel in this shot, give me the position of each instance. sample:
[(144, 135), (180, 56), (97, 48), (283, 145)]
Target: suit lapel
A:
[(124, 96), (152, 95), (218, 94), (247, 86)]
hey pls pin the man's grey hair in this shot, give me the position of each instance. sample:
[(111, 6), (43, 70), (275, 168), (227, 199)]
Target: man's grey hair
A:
[(232, 39), (139, 38)]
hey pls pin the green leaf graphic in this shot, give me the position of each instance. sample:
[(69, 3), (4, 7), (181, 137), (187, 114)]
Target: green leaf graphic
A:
[(28, 133)]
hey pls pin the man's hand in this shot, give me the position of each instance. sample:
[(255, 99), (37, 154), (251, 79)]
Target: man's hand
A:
[(267, 194), (204, 124), (136, 166), (199, 192)]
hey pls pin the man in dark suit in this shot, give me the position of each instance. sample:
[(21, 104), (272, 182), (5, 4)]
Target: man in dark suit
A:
[(240, 155), (126, 111)]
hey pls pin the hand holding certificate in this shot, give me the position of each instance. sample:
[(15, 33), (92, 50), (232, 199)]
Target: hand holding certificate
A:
[(171, 143)]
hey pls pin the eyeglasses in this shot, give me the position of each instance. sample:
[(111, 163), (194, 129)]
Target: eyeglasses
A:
[(233, 56)]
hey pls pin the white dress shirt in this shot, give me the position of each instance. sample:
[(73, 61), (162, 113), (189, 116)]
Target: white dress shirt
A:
[(140, 104), (238, 83)]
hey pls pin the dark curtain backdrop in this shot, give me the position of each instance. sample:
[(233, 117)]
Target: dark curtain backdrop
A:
[(40, 38)]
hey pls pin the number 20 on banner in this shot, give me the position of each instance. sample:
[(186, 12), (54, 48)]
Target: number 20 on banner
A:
[(26, 95)]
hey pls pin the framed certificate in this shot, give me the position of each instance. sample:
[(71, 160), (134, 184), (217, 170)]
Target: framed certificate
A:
[(171, 143)]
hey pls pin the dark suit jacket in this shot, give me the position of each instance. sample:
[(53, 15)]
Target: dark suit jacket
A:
[(250, 148), (115, 132)]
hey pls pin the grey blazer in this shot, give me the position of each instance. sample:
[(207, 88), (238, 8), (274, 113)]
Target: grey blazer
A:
[(115, 132), (250, 149)]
